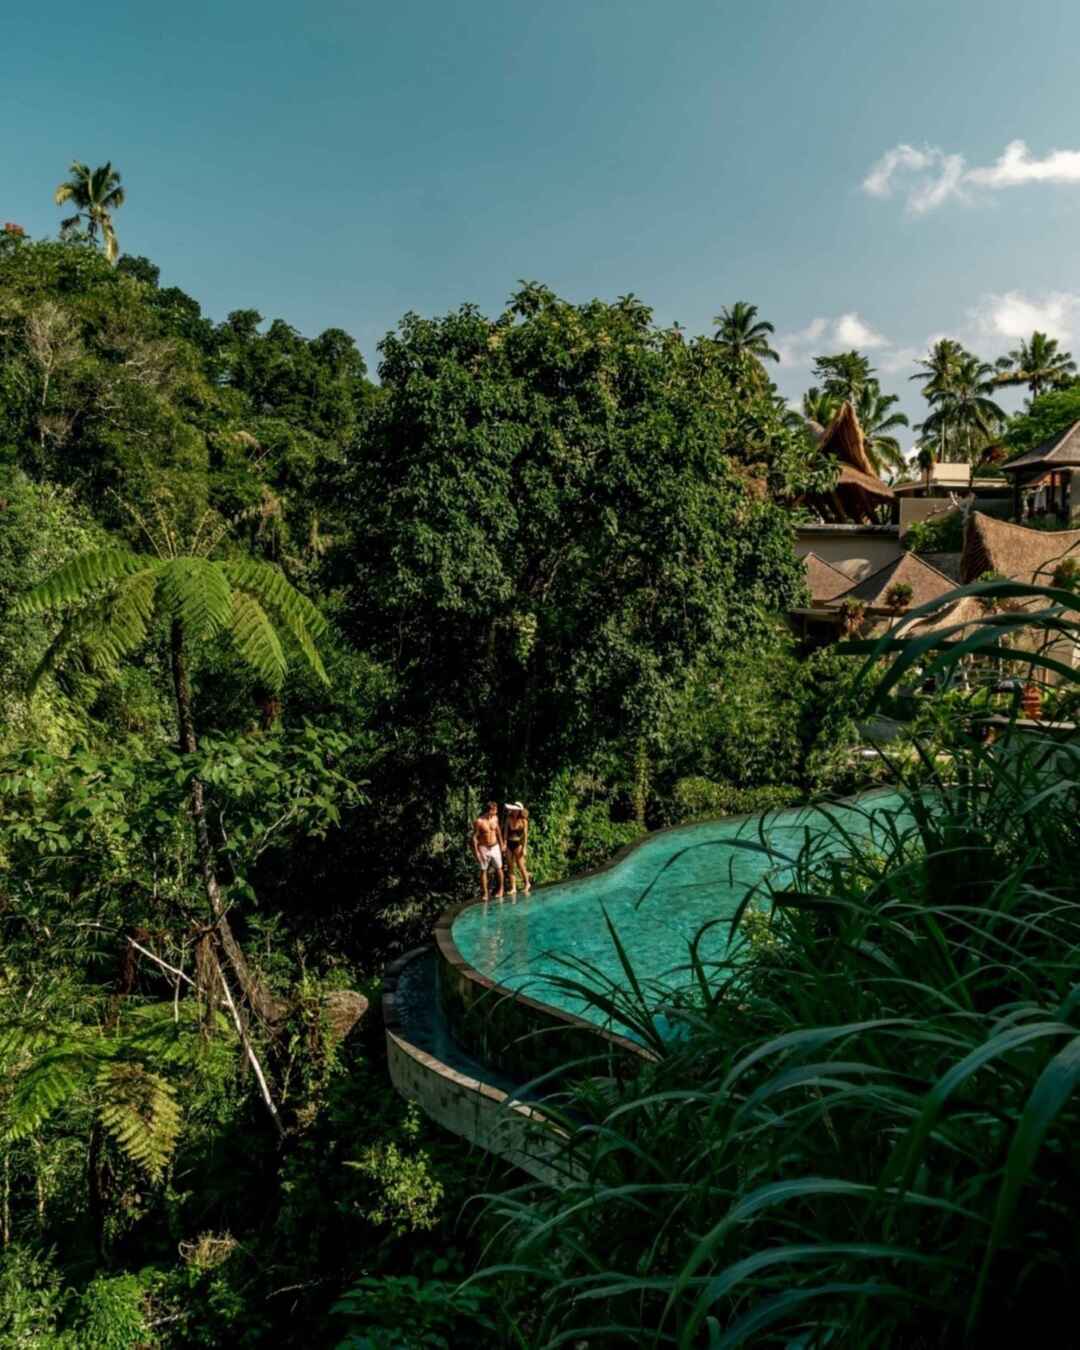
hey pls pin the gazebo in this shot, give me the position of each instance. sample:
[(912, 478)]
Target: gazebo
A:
[(1048, 469)]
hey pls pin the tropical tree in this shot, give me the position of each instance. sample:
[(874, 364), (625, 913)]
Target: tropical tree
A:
[(937, 370), (743, 339), (878, 421), (938, 366), (819, 407), (925, 459), (963, 416), (114, 600), (844, 375), (96, 194), (1039, 364)]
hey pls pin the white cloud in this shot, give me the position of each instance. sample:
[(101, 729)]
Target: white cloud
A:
[(823, 336), (878, 182), (850, 331), (1016, 315), (928, 176), (1016, 166)]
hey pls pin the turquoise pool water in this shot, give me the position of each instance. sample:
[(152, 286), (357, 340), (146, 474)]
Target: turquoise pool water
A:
[(657, 897)]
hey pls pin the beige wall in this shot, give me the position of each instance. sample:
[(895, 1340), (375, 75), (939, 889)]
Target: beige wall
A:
[(853, 552), (913, 509)]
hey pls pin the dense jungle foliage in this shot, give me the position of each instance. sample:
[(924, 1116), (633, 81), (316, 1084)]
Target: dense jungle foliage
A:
[(270, 633)]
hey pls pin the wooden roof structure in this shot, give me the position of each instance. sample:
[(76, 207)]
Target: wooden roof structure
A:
[(823, 580), (926, 582), (1060, 452), (859, 491), (1014, 551)]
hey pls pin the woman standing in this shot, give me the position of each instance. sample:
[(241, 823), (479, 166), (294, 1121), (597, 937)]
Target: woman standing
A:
[(517, 843)]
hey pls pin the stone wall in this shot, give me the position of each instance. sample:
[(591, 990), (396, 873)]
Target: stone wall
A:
[(519, 1035), (512, 1130)]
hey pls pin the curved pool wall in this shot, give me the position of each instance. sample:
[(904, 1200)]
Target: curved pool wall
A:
[(515, 1034), (657, 892), (460, 1093)]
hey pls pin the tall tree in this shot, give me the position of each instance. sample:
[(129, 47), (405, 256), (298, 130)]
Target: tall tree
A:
[(96, 194), (115, 599), (819, 407), (844, 375), (1039, 364), (878, 422), (558, 512), (963, 416), (743, 340), (937, 370)]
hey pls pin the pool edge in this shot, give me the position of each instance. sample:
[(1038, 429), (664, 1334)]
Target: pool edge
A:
[(472, 985)]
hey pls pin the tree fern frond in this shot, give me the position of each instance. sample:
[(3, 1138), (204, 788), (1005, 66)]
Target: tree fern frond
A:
[(256, 640), (71, 583), (56, 1078), (20, 1041), (155, 1034), (71, 643), (139, 1110), (196, 592), (294, 611)]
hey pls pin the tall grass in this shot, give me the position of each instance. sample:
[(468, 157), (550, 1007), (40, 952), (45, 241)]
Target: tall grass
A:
[(867, 1134)]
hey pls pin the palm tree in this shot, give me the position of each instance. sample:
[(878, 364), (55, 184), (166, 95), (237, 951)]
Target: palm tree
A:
[(963, 417), (1038, 364), (845, 375), (97, 194), (873, 409), (925, 461), (113, 602), (819, 407), (743, 340), (938, 374)]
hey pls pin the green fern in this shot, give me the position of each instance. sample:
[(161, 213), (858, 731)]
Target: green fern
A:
[(80, 1068), (57, 1078), (114, 598), (139, 1109)]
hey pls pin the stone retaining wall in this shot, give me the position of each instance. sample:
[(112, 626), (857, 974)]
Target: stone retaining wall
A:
[(476, 1111)]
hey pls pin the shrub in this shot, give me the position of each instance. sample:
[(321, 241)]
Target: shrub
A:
[(898, 596), (700, 798), (940, 533)]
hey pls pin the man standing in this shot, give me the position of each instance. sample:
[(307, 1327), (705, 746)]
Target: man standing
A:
[(487, 846)]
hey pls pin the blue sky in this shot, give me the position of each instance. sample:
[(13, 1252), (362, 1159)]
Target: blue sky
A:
[(338, 163)]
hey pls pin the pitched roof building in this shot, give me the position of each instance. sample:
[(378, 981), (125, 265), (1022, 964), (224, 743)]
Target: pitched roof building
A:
[(1014, 551), (859, 492), (1052, 466), (823, 581), (926, 583)]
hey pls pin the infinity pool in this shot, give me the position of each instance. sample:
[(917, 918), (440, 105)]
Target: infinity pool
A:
[(658, 896)]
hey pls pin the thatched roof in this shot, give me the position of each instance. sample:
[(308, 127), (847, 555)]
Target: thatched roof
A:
[(1016, 552), (823, 580), (859, 491), (966, 611), (844, 439), (949, 563), (926, 583), (1059, 452)]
